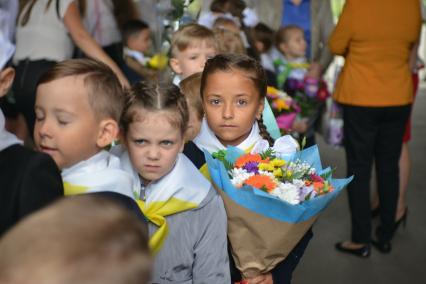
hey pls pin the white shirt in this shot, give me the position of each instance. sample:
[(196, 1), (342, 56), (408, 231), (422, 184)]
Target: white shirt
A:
[(45, 35), (100, 22)]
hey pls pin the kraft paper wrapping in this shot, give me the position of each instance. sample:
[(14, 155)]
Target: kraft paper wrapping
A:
[(259, 243)]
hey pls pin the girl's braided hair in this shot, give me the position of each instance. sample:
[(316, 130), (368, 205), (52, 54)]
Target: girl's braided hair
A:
[(250, 67), (155, 97)]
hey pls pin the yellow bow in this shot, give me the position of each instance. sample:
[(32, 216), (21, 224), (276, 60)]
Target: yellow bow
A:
[(156, 213)]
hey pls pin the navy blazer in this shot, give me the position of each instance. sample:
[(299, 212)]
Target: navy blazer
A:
[(29, 180)]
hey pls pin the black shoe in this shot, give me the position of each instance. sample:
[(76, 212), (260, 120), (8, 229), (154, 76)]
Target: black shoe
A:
[(383, 247), (402, 220), (363, 252)]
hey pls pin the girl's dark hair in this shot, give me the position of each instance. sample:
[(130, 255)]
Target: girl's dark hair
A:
[(124, 10), (247, 65), (234, 7), (155, 97), (31, 3), (264, 34)]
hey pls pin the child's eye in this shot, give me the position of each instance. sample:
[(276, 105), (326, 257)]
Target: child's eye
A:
[(139, 141), (241, 102), (166, 143), (214, 101), (39, 117), (193, 57), (62, 121)]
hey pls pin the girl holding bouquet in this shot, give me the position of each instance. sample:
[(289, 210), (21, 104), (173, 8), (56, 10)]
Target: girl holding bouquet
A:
[(233, 89), (187, 225)]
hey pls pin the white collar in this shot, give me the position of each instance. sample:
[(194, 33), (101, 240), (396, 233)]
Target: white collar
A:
[(176, 80), (138, 56), (207, 140), (6, 138), (101, 172), (183, 182)]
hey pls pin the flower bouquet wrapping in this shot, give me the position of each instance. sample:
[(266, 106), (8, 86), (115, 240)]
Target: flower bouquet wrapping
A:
[(272, 196), (284, 108)]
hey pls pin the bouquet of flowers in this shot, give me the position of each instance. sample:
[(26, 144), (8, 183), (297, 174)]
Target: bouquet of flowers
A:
[(308, 93), (284, 108), (272, 196)]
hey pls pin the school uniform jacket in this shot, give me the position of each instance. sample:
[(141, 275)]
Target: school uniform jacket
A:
[(28, 181)]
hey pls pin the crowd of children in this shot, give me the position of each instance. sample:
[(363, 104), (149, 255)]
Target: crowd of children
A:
[(217, 98)]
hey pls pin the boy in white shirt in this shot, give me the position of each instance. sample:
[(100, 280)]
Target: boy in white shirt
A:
[(77, 107), (191, 46)]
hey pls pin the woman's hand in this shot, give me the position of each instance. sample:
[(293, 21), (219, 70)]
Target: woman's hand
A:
[(261, 279), (122, 78)]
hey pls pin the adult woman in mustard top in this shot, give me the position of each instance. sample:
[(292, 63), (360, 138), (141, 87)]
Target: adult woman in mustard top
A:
[(375, 89)]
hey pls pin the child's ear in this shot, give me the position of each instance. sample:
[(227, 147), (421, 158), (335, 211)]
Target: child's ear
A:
[(174, 64), (6, 80), (108, 131), (260, 108), (183, 146)]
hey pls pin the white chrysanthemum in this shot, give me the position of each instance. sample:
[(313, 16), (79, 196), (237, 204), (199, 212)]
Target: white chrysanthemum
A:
[(266, 173), (287, 192), (239, 176), (299, 183)]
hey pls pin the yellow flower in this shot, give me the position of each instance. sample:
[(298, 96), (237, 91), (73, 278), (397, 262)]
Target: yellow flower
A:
[(289, 173), (266, 167), (277, 163), (272, 91), (281, 105), (278, 172), (158, 61)]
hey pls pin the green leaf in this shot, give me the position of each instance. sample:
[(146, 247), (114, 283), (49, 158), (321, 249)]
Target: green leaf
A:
[(267, 154), (303, 144), (327, 175)]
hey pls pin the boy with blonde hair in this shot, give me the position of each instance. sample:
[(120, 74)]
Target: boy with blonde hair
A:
[(191, 46), (80, 239), (78, 106)]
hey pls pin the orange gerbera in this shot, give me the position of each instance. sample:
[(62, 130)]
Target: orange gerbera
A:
[(261, 182), (247, 158), (318, 186)]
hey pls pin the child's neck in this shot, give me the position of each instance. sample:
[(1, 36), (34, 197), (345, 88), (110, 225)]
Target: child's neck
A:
[(291, 58)]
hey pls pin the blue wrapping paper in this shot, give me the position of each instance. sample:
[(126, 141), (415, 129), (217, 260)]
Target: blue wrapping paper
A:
[(270, 206)]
